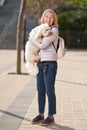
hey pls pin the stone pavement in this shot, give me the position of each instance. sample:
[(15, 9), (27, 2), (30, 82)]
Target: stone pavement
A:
[(18, 96)]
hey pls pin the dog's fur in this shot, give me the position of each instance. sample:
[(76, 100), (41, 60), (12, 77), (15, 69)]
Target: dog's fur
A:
[(31, 51)]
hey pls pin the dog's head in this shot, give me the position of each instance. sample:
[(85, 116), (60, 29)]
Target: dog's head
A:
[(42, 31), (45, 30)]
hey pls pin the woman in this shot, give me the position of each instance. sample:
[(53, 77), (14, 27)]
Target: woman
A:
[(47, 70)]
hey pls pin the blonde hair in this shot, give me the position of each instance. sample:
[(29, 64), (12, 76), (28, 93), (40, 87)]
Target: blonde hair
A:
[(55, 16)]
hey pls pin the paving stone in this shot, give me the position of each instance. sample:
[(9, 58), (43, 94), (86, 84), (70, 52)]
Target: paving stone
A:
[(18, 96)]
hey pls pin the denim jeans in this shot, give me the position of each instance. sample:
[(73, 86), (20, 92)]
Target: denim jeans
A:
[(46, 85)]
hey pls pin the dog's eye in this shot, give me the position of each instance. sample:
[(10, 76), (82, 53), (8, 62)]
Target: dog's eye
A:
[(46, 29)]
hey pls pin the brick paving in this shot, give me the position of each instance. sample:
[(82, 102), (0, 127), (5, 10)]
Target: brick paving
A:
[(18, 96)]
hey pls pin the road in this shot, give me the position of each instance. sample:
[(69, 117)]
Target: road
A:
[(8, 23)]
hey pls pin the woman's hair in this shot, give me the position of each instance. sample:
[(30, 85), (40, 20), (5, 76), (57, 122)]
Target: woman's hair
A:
[(51, 11)]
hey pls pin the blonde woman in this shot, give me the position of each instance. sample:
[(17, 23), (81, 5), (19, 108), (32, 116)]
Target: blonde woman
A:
[(47, 70)]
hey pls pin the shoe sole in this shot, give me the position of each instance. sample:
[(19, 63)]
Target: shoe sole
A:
[(47, 124), (37, 122)]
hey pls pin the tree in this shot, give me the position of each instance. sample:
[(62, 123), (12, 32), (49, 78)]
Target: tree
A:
[(19, 34), (73, 13), (36, 7)]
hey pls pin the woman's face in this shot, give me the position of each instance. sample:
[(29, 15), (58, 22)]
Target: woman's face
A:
[(49, 18)]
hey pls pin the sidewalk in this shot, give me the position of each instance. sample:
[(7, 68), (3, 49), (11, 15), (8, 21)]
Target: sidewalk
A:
[(18, 97)]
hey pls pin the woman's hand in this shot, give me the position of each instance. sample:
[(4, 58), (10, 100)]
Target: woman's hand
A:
[(37, 60)]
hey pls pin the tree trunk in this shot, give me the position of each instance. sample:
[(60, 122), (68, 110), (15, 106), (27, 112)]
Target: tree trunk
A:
[(19, 35)]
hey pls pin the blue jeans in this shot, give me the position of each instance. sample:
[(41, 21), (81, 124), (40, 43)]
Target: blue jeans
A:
[(46, 85)]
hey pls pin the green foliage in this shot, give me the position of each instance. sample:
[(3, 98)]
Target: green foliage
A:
[(76, 3), (64, 20), (73, 15), (70, 20)]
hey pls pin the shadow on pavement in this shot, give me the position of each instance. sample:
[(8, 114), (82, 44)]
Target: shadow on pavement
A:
[(15, 115), (75, 83), (55, 126), (59, 127)]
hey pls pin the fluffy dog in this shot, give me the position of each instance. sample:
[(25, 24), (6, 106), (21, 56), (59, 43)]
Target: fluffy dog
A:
[(32, 51)]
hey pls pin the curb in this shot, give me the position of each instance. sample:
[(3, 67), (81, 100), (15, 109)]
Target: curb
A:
[(2, 2)]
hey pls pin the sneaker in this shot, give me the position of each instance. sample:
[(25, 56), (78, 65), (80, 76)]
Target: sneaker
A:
[(47, 121), (37, 119)]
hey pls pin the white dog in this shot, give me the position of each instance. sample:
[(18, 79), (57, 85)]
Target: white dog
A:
[(32, 51)]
